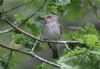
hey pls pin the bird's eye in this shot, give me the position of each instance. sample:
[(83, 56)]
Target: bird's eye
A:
[(49, 16)]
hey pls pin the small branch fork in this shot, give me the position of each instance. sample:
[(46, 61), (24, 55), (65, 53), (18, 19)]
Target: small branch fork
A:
[(32, 54)]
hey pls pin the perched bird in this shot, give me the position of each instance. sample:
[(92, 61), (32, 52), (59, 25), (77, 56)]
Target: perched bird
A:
[(52, 31)]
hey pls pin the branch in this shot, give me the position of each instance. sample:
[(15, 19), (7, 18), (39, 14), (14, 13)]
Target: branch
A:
[(68, 47), (17, 6), (32, 54), (6, 31), (24, 20), (35, 12), (6, 66), (1, 2), (36, 38), (36, 43)]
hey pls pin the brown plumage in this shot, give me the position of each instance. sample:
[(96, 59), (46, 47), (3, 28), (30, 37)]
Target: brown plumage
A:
[(52, 31)]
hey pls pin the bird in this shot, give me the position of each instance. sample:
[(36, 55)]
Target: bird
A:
[(52, 31)]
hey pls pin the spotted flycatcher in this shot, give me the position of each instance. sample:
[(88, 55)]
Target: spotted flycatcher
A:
[(52, 31)]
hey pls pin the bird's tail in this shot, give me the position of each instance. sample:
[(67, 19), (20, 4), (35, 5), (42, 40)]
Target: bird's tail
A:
[(54, 50), (55, 54)]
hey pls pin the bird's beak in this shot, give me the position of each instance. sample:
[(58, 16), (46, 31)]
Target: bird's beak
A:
[(41, 18), (44, 17)]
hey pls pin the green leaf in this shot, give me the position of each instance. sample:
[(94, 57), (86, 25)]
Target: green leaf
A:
[(18, 38), (86, 35), (1, 58), (90, 29), (45, 66), (20, 17), (35, 27), (90, 39), (38, 66), (22, 41), (95, 52), (74, 10), (65, 66), (80, 40), (53, 9), (42, 66), (76, 51)]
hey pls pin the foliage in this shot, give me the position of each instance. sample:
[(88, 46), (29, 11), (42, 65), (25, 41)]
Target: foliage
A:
[(86, 35), (85, 54), (4, 60), (42, 66), (88, 52)]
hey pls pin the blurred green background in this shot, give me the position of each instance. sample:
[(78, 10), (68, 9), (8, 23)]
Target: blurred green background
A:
[(70, 17)]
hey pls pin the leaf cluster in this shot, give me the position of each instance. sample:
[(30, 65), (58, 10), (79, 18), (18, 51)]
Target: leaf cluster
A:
[(88, 51)]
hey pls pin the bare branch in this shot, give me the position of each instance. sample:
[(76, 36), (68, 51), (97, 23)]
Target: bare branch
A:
[(35, 12), (6, 66), (36, 43), (6, 31), (68, 47), (1, 2), (36, 38), (24, 20), (32, 54), (17, 6)]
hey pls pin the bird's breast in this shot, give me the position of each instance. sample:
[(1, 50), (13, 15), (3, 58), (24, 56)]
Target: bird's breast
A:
[(52, 31)]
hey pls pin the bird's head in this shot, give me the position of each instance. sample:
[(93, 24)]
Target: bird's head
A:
[(49, 18)]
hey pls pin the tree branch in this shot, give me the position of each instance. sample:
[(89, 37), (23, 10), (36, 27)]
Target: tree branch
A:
[(36, 38), (68, 47), (17, 6), (35, 12), (24, 20), (36, 43), (6, 66), (32, 54), (6, 31), (1, 2)]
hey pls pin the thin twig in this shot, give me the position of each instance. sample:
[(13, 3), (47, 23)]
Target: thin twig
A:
[(68, 47), (9, 29), (6, 31), (1, 2), (35, 12), (36, 43), (17, 6), (32, 54), (70, 58), (24, 20), (9, 58)]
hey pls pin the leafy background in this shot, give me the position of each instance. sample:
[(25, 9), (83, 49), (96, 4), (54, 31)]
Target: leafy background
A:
[(79, 20)]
